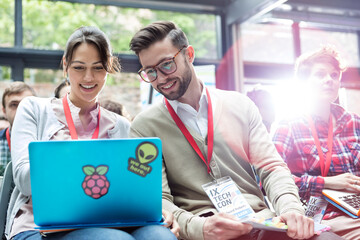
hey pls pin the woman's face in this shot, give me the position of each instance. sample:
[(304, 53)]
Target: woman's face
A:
[(324, 82), (86, 74)]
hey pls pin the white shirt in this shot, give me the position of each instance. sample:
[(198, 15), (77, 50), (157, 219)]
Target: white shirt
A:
[(196, 120)]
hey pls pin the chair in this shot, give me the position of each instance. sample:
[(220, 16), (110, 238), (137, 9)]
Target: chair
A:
[(6, 190)]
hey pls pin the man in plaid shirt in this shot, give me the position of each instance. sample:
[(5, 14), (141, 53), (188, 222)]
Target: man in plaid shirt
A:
[(11, 98), (326, 134)]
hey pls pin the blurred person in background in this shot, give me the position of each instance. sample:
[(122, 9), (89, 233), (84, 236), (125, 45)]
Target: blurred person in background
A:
[(62, 89), (11, 98), (115, 107), (265, 103)]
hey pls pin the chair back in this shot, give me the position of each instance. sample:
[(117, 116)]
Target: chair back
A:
[(7, 187)]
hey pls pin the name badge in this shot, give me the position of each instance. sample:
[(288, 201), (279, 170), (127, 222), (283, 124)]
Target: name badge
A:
[(227, 198), (316, 208)]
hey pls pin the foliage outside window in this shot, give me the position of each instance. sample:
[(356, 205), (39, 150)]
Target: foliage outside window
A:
[(43, 75), (48, 24), (5, 73), (7, 25)]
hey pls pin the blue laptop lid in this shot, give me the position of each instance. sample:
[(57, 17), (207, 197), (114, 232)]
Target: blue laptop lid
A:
[(113, 182)]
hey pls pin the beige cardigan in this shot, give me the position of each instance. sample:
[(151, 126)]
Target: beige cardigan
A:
[(240, 139)]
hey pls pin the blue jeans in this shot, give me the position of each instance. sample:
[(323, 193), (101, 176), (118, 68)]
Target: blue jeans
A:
[(148, 232)]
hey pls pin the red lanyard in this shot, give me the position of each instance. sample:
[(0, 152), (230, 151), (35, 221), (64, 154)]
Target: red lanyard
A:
[(71, 124), (8, 138), (325, 165), (210, 139)]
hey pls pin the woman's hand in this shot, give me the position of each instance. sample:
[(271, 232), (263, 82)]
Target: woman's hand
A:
[(343, 181), (171, 223)]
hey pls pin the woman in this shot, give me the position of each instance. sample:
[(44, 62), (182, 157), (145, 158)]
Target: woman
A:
[(87, 61), (322, 146)]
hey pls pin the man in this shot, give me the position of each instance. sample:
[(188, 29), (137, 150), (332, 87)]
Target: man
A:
[(11, 98), (321, 144), (222, 137)]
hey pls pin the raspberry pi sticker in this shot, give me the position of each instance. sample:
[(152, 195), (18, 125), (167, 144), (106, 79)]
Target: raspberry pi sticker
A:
[(95, 183), (146, 152)]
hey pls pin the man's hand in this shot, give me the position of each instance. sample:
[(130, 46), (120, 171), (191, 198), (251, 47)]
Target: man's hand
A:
[(171, 223), (343, 181), (224, 226), (299, 226)]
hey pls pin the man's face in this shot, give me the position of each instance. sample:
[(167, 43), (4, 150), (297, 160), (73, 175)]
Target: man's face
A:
[(324, 82), (174, 85), (11, 104)]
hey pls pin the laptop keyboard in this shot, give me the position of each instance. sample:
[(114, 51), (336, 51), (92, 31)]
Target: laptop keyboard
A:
[(353, 200)]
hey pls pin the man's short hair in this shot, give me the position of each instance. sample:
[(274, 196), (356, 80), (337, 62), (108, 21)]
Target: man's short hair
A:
[(16, 88), (115, 107), (155, 32), (326, 54)]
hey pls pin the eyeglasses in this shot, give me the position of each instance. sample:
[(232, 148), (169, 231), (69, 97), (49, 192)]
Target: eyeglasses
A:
[(167, 67)]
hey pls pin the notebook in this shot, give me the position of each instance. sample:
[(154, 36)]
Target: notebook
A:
[(96, 183), (348, 202)]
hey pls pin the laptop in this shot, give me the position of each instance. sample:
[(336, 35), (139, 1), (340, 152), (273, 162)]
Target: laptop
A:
[(348, 202), (96, 183)]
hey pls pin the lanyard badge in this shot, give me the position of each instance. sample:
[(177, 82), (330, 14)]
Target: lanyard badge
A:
[(227, 198), (316, 208)]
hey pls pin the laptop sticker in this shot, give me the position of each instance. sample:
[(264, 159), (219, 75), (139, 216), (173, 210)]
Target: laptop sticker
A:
[(146, 152), (95, 183)]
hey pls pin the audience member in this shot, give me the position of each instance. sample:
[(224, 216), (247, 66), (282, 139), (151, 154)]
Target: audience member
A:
[(207, 135), (11, 98), (265, 103), (115, 107), (321, 147), (62, 89), (87, 61)]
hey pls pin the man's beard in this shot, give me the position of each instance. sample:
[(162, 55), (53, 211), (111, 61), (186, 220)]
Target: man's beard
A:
[(183, 86)]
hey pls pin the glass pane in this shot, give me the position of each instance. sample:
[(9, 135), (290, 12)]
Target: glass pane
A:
[(345, 42), (32, 75), (48, 24), (7, 25), (5, 73), (267, 43)]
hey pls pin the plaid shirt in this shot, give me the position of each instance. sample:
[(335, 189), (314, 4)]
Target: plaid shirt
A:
[(295, 143), (5, 156)]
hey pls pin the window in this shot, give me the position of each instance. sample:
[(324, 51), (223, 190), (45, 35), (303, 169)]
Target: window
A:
[(5, 73), (32, 75), (345, 42), (48, 24), (7, 25), (267, 43)]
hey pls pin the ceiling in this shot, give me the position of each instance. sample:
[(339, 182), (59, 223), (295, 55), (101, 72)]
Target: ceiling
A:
[(342, 13)]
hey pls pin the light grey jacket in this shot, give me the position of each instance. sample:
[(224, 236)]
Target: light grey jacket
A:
[(36, 121)]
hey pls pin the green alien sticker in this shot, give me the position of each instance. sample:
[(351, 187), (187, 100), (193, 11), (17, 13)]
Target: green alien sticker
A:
[(146, 152)]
